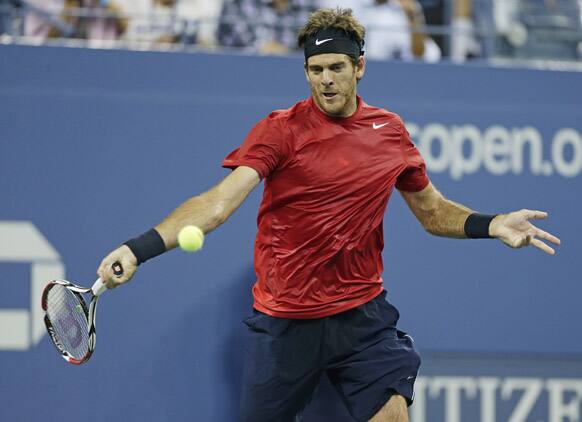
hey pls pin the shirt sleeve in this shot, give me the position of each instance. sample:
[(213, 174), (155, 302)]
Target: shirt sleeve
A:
[(263, 149), (413, 177)]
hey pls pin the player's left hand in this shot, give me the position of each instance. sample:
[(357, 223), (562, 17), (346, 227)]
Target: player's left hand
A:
[(515, 230)]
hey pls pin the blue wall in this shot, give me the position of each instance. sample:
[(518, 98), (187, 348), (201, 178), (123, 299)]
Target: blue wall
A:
[(97, 146)]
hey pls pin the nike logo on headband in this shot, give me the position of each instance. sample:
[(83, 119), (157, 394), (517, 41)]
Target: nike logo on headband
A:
[(317, 42)]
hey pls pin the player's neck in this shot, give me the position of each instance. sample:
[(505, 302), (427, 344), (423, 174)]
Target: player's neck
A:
[(351, 107)]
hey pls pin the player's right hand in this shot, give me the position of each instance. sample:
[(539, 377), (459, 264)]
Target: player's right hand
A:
[(128, 261)]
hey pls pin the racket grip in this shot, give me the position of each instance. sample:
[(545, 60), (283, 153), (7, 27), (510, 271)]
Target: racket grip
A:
[(98, 287)]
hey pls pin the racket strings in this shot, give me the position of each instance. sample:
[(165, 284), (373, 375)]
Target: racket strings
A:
[(69, 321)]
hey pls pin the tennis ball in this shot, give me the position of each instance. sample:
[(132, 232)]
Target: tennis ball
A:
[(190, 238)]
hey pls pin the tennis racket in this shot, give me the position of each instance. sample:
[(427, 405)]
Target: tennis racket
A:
[(69, 322)]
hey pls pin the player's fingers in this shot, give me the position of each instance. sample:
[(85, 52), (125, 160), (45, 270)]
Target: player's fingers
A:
[(541, 245), (107, 274), (101, 271), (112, 282), (547, 236), (534, 214), (526, 241), (116, 280), (121, 256)]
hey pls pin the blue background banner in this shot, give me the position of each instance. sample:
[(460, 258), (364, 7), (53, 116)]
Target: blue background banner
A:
[(98, 146)]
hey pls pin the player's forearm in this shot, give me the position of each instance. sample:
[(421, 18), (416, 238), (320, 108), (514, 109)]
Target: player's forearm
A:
[(447, 219), (210, 209), (437, 214), (206, 211)]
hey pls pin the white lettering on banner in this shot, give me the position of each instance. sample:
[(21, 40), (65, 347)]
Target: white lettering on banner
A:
[(487, 387), (432, 132), (531, 390), (559, 410), (460, 163), (462, 150), (562, 139), (453, 386), (418, 408), (528, 139), (21, 242), (497, 150), (564, 398)]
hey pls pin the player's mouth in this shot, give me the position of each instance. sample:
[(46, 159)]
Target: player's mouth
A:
[(329, 95)]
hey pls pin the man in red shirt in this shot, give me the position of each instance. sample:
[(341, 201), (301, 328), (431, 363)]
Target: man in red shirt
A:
[(329, 164)]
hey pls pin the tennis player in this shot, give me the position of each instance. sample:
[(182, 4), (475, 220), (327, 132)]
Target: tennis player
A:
[(330, 164)]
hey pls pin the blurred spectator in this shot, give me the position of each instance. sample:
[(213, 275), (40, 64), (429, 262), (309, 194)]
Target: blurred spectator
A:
[(538, 29), (435, 14), (355, 5), (266, 26), (463, 42), (198, 21), (168, 21), (41, 18), (394, 31), (100, 21), (423, 46), (5, 19), (150, 21), (7, 10)]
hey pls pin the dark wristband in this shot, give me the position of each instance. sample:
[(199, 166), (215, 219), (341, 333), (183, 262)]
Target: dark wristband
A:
[(146, 246), (477, 225)]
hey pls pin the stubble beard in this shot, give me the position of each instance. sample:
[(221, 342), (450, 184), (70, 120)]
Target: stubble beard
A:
[(339, 108)]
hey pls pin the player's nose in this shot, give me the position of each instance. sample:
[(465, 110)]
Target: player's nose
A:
[(326, 79)]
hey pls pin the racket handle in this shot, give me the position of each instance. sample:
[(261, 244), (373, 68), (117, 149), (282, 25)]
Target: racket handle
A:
[(98, 287)]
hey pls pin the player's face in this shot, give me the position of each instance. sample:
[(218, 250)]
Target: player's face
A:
[(333, 79)]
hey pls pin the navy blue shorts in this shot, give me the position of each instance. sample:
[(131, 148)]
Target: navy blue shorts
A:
[(365, 357)]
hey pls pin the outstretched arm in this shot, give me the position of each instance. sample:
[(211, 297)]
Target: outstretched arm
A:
[(210, 209), (207, 211), (442, 217)]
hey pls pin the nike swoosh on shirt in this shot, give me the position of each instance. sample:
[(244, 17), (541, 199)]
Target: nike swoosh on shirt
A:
[(317, 42), (375, 126)]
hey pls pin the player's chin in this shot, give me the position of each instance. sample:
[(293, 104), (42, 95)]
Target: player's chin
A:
[(334, 109)]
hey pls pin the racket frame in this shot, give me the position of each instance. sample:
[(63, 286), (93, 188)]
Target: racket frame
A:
[(88, 311)]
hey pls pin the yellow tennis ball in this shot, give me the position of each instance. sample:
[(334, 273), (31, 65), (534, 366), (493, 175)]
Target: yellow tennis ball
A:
[(190, 238)]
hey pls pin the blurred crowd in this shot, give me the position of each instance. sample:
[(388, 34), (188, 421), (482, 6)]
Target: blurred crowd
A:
[(426, 30)]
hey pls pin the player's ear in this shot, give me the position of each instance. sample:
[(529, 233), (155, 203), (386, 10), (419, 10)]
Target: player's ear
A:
[(360, 67), (305, 69)]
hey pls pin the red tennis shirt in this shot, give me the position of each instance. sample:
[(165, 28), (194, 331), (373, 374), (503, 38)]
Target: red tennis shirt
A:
[(318, 249)]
